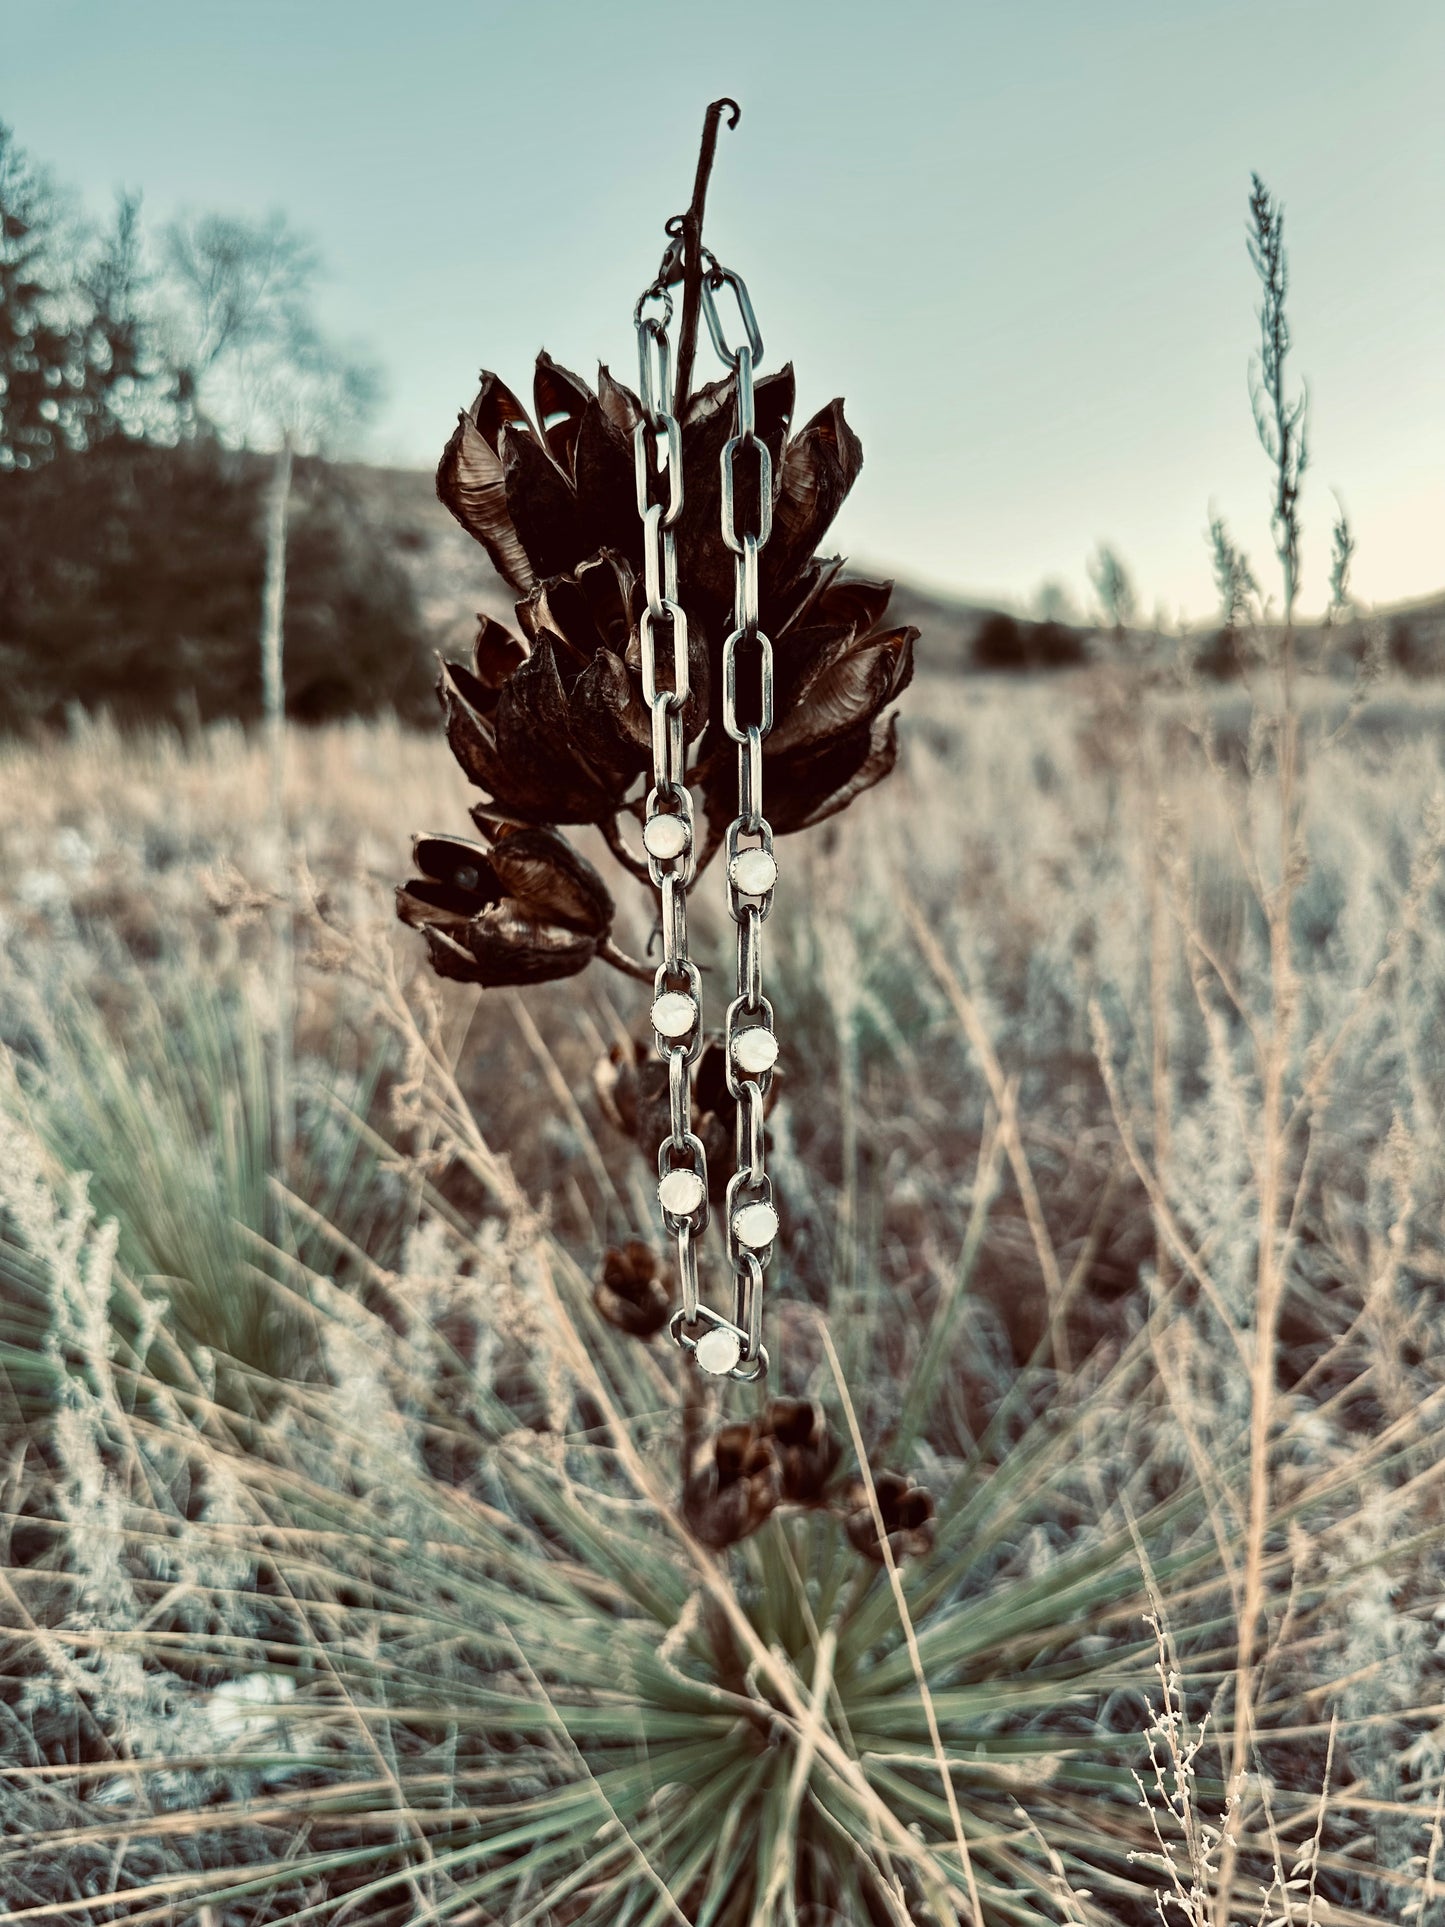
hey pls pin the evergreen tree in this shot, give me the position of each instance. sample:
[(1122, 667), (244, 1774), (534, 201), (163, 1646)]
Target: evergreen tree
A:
[(39, 364), (120, 373)]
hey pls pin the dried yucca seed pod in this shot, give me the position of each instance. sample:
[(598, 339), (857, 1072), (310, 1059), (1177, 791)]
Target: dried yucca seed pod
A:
[(734, 1485), (808, 1453), (550, 722), (519, 908), (634, 1292), (907, 1511)]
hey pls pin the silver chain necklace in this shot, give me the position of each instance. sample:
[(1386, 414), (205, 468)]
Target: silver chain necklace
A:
[(724, 1347)]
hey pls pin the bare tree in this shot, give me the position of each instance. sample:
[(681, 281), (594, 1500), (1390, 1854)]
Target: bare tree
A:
[(264, 375), (240, 290)]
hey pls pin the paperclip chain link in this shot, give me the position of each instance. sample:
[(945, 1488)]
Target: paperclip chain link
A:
[(748, 1041), (668, 829), (726, 1347)]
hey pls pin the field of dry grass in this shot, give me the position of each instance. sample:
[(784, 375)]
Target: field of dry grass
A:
[(345, 1578)]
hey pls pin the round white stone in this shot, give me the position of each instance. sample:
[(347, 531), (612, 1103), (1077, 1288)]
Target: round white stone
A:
[(754, 872), (718, 1351), (756, 1225), (681, 1193), (755, 1050), (673, 1015), (665, 837)]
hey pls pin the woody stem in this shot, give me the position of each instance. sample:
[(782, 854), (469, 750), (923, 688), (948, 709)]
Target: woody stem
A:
[(634, 865), (608, 951), (692, 249)]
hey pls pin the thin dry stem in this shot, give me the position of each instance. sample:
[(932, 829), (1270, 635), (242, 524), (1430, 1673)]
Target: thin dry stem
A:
[(905, 1618), (973, 1028)]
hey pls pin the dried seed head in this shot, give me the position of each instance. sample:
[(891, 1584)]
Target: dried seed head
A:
[(807, 1451), (634, 1292), (735, 1483), (551, 724), (518, 908), (907, 1517)]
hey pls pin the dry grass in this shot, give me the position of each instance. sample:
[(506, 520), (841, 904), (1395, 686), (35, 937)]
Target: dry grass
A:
[(1111, 1147)]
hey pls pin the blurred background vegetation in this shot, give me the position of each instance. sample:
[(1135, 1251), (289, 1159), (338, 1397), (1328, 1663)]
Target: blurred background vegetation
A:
[(144, 382)]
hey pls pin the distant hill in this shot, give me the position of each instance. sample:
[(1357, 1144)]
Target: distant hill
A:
[(452, 582), (1415, 633), (451, 579)]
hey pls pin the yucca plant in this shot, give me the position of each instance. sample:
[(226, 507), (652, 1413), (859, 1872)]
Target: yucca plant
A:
[(167, 1110), (527, 1691)]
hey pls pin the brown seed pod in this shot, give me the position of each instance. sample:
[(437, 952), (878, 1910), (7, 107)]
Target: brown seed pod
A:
[(734, 1485), (807, 1451), (907, 1517), (550, 722), (634, 1292), (519, 908)]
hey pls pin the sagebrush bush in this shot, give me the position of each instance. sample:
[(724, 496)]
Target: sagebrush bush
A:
[(1005, 642)]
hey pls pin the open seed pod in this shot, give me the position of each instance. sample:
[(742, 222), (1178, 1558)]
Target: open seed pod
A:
[(907, 1518), (733, 1486), (807, 1451), (634, 1292), (518, 908)]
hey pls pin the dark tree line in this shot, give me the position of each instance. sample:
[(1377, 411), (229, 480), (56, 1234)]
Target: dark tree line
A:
[(146, 385)]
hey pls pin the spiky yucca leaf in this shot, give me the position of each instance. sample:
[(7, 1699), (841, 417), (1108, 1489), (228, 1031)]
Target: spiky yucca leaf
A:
[(169, 1118)]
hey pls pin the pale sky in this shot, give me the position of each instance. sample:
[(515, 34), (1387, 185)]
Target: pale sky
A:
[(1010, 232)]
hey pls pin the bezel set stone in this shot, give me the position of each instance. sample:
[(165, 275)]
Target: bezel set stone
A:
[(756, 1226), (682, 1192), (755, 1051), (666, 837), (718, 1350), (755, 872), (674, 1014)]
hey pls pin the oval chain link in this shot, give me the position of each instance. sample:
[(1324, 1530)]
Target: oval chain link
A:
[(729, 1347)]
